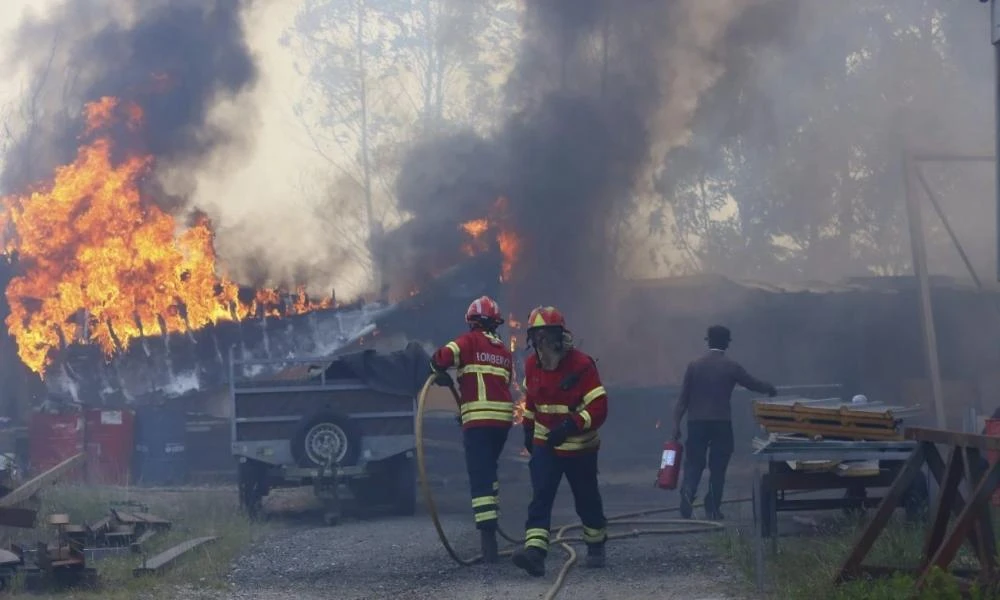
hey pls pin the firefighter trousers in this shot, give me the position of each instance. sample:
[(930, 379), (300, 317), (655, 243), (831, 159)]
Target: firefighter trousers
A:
[(708, 442), (483, 446), (547, 470)]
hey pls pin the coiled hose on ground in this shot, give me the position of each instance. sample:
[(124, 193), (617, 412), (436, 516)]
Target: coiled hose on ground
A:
[(640, 525)]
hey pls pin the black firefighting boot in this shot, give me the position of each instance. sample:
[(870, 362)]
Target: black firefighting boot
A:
[(686, 503), (531, 560), (595, 556), (488, 544), (712, 512)]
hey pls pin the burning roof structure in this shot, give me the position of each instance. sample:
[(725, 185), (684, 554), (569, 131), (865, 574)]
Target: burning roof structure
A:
[(160, 367), (112, 298)]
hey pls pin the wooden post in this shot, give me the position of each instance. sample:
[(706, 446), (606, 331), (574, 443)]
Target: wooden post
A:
[(919, 250)]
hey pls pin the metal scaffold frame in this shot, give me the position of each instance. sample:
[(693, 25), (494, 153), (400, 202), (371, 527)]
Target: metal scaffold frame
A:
[(912, 165)]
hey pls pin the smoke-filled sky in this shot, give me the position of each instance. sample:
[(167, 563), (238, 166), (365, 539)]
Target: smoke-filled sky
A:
[(599, 91), (582, 135), (251, 186)]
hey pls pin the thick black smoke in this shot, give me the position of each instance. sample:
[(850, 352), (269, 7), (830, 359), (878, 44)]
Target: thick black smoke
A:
[(174, 58), (564, 159), (601, 91)]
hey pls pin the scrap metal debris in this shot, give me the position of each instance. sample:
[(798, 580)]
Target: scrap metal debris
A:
[(125, 530), (58, 564)]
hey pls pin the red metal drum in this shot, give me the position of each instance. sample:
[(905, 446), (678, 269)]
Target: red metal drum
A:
[(110, 439), (52, 438)]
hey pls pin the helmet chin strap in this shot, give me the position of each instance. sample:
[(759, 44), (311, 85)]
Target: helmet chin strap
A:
[(490, 327)]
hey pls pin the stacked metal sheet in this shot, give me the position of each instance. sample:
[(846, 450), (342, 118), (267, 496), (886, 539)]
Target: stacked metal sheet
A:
[(831, 418)]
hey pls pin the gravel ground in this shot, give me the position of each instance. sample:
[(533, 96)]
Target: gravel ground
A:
[(401, 558)]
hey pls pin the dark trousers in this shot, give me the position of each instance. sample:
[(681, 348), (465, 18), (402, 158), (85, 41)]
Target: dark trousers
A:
[(547, 470), (483, 446), (711, 442)]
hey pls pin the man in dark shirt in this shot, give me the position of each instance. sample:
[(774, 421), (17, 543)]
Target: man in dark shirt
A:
[(706, 397)]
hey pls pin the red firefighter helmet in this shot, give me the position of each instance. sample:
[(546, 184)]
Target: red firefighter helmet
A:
[(546, 316), (483, 308)]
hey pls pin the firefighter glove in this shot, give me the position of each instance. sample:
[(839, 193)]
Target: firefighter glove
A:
[(443, 379), (529, 437), (772, 391), (557, 437)]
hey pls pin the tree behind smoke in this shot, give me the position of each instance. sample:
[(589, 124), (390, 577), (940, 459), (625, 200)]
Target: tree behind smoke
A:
[(599, 89), (807, 143), (175, 58)]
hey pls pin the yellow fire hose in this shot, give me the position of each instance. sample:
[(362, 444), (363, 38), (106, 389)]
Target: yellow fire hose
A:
[(679, 526)]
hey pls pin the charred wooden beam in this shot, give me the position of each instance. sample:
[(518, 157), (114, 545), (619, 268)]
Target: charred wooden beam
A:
[(119, 348), (32, 486)]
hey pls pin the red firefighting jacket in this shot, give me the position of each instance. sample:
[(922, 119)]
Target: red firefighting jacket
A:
[(484, 369), (573, 390)]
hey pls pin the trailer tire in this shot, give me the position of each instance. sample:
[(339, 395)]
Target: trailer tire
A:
[(322, 433)]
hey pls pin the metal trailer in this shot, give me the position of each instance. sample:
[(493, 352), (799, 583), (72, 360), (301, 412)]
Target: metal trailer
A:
[(310, 422)]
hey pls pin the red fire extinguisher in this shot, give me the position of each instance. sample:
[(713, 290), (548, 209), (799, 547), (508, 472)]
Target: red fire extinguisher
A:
[(670, 465)]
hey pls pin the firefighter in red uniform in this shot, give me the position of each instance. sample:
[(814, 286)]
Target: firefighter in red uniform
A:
[(484, 367), (565, 404)]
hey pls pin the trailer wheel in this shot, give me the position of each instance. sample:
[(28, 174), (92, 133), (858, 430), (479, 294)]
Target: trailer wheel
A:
[(323, 437)]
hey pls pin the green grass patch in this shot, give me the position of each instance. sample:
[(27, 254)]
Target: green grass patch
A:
[(193, 512), (806, 565)]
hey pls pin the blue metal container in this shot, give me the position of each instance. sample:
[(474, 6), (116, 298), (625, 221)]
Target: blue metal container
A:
[(160, 457)]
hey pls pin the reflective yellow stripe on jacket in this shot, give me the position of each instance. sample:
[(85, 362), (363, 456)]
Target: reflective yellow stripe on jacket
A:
[(589, 397), (485, 370), (455, 351), (583, 441), (483, 409), (488, 410)]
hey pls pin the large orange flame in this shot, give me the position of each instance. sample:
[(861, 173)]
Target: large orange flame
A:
[(507, 239), (96, 254)]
